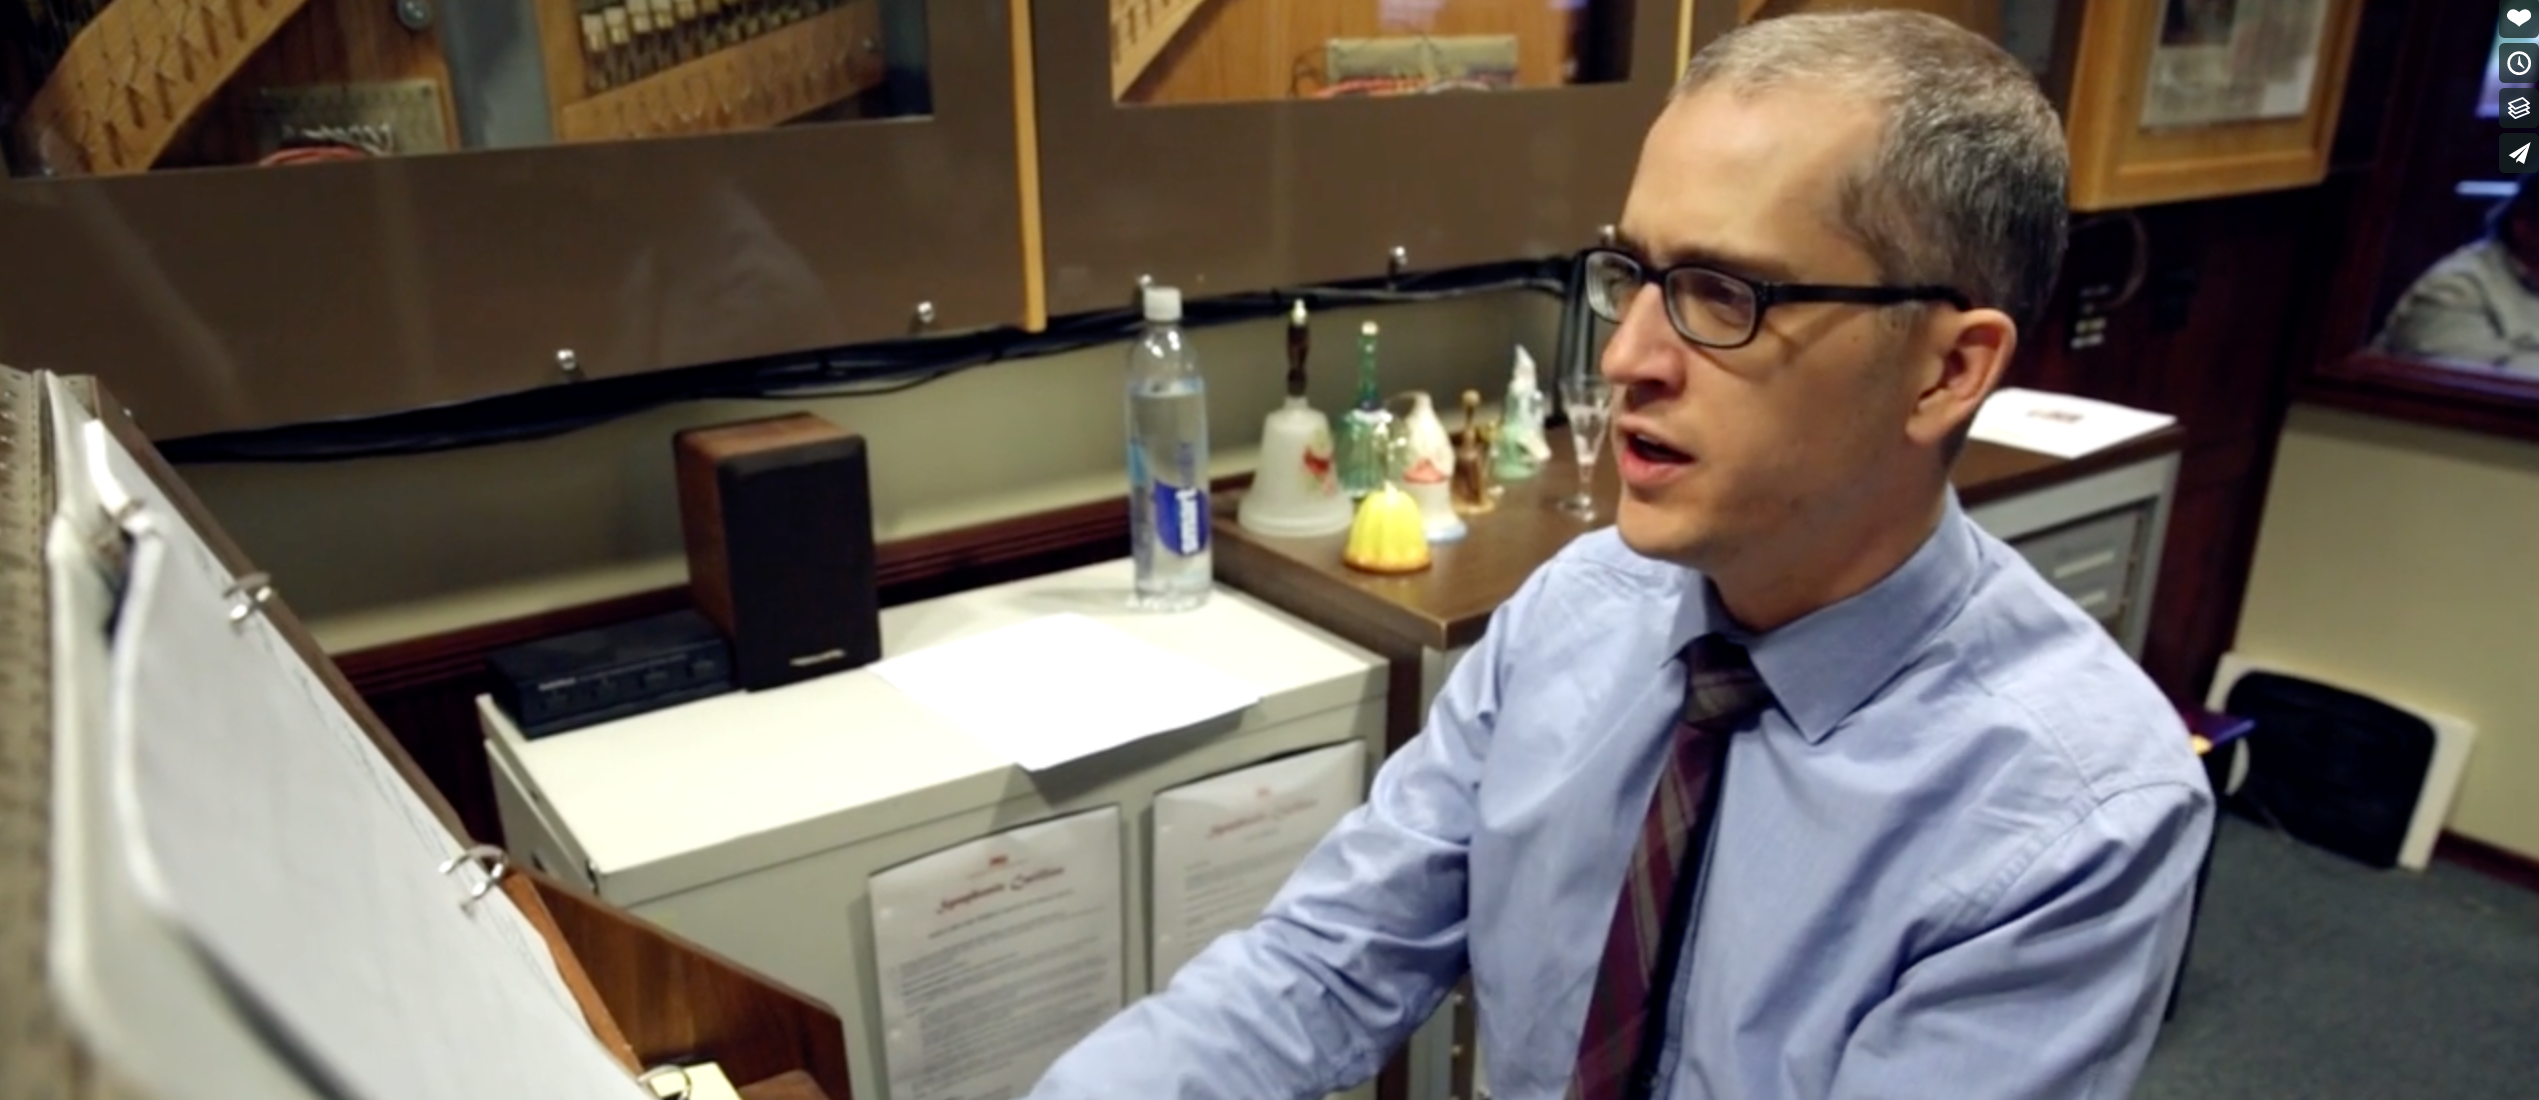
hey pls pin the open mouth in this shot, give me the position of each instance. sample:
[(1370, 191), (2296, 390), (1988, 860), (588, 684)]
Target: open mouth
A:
[(1650, 450)]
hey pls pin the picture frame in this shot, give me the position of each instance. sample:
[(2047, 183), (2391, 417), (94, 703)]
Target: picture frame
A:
[(2173, 100)]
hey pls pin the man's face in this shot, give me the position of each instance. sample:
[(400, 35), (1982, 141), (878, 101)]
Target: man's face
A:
[(2521, 236), (1776, 442)]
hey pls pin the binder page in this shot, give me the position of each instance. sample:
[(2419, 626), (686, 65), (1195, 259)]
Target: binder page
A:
[(121, 481), (1063, 687), (266, 836), (1224, 845), (998, 955)]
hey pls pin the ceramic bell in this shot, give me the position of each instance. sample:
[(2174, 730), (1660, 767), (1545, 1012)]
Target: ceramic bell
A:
[(1296, 491), (1388, 534), (1428, 469)]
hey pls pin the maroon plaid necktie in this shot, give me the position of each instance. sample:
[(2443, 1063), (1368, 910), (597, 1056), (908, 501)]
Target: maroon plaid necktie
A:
[(1617, 1052)]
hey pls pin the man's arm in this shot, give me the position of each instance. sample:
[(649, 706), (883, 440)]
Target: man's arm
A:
[(1354, 953), (2058, 995)]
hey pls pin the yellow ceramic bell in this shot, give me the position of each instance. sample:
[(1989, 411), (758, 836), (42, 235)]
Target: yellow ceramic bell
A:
[(1387, 535)]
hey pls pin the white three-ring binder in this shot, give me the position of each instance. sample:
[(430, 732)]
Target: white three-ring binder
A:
[(246, 898)]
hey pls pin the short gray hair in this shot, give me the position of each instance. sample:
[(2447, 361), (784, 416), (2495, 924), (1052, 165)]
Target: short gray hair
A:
[(1968, 186)]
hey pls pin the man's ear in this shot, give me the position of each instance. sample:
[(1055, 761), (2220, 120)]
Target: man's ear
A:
[(1969, 351)]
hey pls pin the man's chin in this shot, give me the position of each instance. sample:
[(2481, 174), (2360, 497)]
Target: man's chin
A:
[(1653, 533)]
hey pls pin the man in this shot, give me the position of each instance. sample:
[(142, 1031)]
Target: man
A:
[(1955, 831), (2478, 305)]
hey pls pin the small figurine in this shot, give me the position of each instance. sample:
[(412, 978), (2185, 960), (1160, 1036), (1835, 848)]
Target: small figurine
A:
[(1428, 468), (1521, 449), (1472, 461)]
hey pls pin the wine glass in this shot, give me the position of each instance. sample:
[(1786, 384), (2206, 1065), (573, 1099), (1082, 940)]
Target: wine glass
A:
[(1587, 399)]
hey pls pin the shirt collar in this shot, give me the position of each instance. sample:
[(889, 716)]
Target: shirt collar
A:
[(1822, 666)]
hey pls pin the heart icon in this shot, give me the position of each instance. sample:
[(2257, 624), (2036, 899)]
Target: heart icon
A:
[(2518, 16)]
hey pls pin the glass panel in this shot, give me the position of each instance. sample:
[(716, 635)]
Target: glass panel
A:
[(1217, 51), (2456, 288), (93, 87)]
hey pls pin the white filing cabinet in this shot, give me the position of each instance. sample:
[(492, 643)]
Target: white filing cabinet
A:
[(752, 822)]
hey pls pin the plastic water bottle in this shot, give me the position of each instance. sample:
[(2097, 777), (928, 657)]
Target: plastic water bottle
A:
[(1168, 462)]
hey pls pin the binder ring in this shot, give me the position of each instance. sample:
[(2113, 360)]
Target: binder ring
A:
[(491, 860), (248, 595)]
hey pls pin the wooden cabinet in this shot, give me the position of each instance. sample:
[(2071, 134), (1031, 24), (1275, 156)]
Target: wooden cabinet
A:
[(1240, 145), (286, 211), (281, 211)]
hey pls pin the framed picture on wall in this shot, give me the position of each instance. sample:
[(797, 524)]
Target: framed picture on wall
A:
[(2190, 99)]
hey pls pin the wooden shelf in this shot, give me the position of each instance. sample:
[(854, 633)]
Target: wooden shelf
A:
[(137, 74), (757, 84), (1140, 29)]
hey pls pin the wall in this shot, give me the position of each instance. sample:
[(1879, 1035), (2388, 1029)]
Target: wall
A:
[(2395, 558), (377, 551)]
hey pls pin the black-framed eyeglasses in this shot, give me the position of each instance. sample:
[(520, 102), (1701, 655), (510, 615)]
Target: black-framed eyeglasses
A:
[(1717, 309)]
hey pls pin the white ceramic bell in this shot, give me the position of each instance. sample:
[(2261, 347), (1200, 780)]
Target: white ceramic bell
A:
[(1428, 469), (1296, 491)]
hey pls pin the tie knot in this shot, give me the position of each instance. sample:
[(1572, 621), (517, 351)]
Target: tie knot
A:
[(1720, 683)]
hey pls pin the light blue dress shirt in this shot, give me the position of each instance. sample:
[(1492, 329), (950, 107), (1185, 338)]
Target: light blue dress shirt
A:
[(1955, 859)]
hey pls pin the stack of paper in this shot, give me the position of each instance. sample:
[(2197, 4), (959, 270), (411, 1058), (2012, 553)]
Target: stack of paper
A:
[(1062, 687), (2059, 424)]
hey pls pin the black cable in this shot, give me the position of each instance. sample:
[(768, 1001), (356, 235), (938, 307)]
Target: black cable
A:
[(862, 370)]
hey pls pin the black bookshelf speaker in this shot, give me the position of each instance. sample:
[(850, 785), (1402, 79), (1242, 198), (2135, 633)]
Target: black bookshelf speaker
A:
[(778, 518)]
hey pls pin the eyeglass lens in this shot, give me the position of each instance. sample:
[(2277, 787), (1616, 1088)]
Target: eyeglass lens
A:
[(1707, 307)]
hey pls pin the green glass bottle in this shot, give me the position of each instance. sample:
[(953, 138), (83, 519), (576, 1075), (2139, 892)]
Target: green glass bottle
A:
[(1366, 431)]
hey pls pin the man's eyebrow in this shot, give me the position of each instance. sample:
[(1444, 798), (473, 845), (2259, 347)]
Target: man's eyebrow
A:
[(1752, 267)]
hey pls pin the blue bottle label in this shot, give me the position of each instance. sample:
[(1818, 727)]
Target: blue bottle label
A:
[(1181, 518)]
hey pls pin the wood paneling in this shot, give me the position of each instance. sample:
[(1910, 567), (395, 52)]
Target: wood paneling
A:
[(2512, 867), (796, 1085), (1243, 50), (2213, 336), (329, 43), (676, 1001)]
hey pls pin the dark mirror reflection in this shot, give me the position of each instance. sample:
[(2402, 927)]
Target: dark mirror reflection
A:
[(114, 87), (2479, 304), (2460, 279), (1224, 51)]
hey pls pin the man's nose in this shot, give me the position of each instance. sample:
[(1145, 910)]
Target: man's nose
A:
[(1643, 353)]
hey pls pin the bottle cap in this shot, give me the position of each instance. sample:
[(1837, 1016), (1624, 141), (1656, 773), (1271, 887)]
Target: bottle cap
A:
[(1163, 303)]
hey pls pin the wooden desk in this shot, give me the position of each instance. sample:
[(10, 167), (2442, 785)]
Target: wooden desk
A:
[(1445, 606)]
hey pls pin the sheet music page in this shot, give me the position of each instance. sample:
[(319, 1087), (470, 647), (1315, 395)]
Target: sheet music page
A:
[(119, 478), (997, 955), (290, 860), (1224, 845)]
